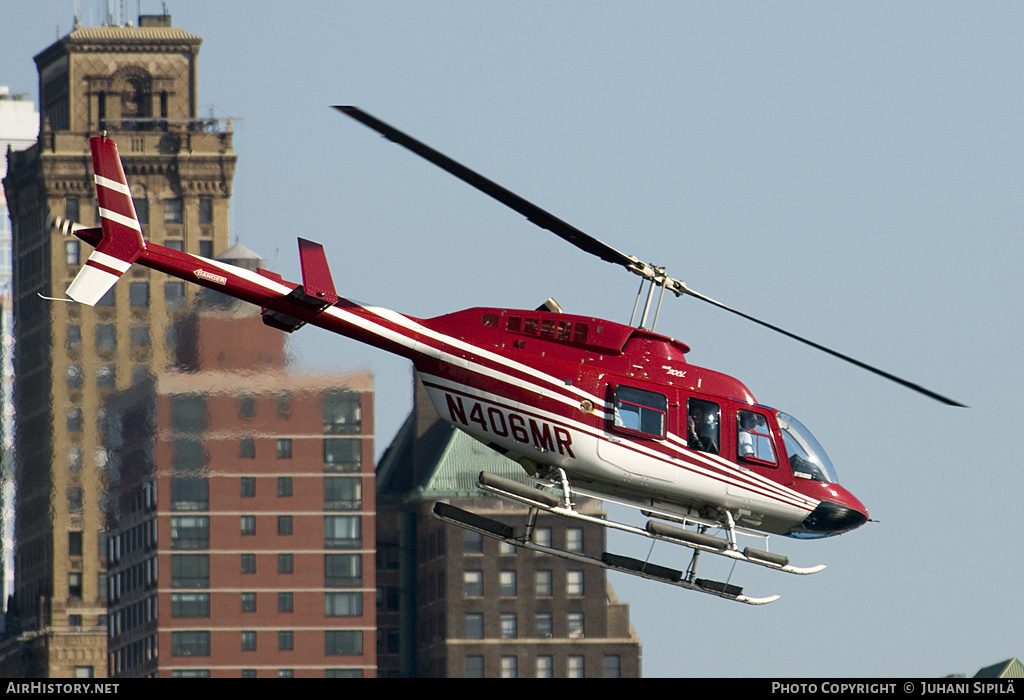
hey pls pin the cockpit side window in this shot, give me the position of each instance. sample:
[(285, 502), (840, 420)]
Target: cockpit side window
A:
[(640, 411), (702, 425), (754, 438)]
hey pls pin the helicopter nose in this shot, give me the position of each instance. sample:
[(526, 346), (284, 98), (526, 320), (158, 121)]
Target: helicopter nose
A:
[(830, 518)]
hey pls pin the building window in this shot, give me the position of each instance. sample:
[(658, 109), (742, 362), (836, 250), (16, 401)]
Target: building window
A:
[(474, 542), (509, 626), (347, 604), (138, 294), (285, 602), (343, 570), (174, 294), (191, 672), (575, 625), (248, 487), (284, 448), (247, 448), (543, 584), (75, 585), (545, 667), (189, 493), (285, 563), (509, 667), (75, 499), (474, 666), (343, 642), (72, 209), (106, 376), (75, 380), (248, 640), (206, 249), (574, 539), (542, 536), (612, 666), (190, 605), (574, 583), (284, 486), (474, 625), (74, 339), (545, 630), (249, 602), (576, 667), (343, 493), (342, 412), (188, 455), (342, 531), (246, 406), (190, 571), (248, 563), (205, 210), (248, 523), (74, 544), (173, 209), (72, 252), (141, 209), (507, 579), (190, 532), (342, 455), (194, 643), (285, 641), (284, 524), (473, 583), (138, 336)]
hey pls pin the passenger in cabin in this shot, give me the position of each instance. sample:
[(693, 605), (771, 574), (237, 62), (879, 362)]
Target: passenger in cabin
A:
[(702, 426)]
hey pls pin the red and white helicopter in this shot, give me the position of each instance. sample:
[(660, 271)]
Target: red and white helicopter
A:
[(587, 406)]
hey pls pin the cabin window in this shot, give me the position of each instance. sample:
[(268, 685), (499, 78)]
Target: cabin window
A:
[(640, 411), (753, 438), (702, 425)]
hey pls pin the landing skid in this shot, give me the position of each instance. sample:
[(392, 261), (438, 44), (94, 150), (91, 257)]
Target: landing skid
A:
[(561, 504)]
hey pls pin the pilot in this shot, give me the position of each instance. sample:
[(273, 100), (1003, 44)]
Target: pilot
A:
[(745, 441)]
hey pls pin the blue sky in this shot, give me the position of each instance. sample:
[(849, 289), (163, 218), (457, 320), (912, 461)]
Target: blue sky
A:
[(851, 172)]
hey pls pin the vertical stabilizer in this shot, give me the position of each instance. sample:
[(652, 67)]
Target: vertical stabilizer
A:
[(122, 241)]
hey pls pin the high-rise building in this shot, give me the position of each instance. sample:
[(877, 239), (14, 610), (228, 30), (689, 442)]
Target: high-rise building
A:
[(241, 501), (140, 85), (19, 126), (456, 604)]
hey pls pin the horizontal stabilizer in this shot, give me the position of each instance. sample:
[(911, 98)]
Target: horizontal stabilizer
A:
[(96, 277)]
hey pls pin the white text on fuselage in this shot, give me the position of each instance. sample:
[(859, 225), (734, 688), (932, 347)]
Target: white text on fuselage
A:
[(544, 436)]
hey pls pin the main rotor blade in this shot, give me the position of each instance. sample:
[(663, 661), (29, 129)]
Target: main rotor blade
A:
[(531, 211), (588, 243), (882, 373)]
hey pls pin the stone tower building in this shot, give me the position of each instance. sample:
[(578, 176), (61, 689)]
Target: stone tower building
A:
[(139, 84)]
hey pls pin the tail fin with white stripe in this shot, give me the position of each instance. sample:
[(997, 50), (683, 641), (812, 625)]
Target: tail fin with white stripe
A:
[(122, 241)]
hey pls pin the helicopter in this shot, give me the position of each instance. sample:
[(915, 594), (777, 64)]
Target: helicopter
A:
[(588, 407)]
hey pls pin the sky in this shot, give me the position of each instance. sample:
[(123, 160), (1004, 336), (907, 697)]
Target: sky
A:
[(852, 172)]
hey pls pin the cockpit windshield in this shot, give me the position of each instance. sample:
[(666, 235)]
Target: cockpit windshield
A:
[(806, 456)]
